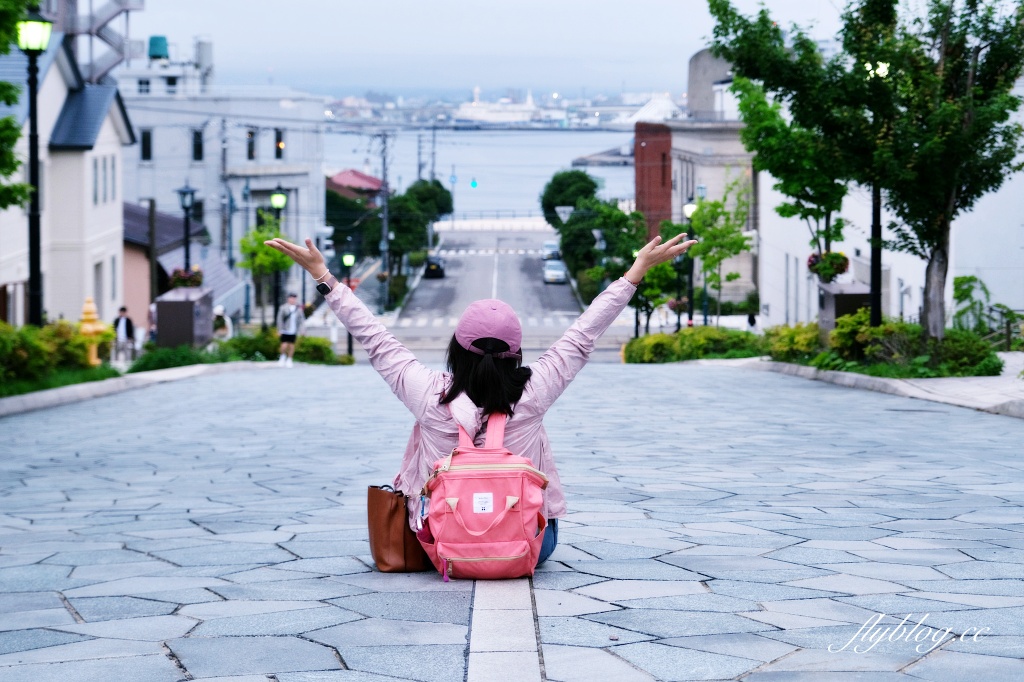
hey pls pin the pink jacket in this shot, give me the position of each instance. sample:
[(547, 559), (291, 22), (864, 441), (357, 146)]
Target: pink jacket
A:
[(435, 433)]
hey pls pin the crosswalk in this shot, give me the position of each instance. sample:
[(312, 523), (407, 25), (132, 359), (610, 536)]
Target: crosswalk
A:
[(551, 320), (447, 253)]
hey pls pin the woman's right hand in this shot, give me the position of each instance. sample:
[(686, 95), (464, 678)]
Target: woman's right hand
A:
[(655, 253), (310, 258)]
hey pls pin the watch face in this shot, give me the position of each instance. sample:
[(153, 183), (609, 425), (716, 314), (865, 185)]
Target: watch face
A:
[(323, 288)]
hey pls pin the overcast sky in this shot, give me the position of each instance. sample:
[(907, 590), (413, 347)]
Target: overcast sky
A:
[(341, 47)]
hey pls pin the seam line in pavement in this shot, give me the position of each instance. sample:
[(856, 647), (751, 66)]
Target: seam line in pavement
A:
[(503, 642)]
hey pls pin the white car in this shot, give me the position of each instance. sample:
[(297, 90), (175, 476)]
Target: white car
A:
[(550, 251), (555, 272)]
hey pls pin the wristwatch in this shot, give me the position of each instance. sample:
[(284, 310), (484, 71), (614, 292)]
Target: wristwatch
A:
[(325, 287)]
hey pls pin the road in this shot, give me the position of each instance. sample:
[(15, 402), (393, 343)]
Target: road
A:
[(496, 264)]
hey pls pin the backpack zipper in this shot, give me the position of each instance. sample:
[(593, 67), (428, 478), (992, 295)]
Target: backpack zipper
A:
[(496, 467), (449, 563)]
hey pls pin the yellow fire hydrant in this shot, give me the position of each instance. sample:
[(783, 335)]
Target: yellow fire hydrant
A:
[(91, 327)]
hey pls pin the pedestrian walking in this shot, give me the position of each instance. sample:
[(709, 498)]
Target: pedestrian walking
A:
[(484, 373), (290, 323), (223, 328), (124, 335)]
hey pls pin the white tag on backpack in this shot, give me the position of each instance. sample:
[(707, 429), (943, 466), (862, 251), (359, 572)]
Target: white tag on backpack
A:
[(483, 503)]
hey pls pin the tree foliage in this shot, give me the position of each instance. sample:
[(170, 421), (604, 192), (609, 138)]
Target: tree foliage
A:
[(718, 226), (566, 188), (11, 194), (918, 105), (433, 198), (356, 219)]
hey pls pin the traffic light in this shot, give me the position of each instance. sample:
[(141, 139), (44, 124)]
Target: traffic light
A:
[(472, 183)]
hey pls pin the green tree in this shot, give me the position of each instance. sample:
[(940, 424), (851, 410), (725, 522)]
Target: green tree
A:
[(565, 188), (408, 222), (718, 225), (433, 198), (261, 260), (808, 166), (356, 219), (11, 194), (623, 234), (654, 290)]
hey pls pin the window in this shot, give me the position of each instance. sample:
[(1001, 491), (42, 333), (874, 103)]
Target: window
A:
[(278, 143), (172, 85), (95, 181), (97, 288), (197, 145), (106, 182), (250, 145), (113, 178), (198, 211), (143, 86), (113, 278), (146, 144)]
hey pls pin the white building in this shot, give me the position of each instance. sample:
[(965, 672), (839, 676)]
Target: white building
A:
[(234, 145), (82, 130)]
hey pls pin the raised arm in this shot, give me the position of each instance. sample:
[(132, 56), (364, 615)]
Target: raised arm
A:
[(412, 382), (560, 364)]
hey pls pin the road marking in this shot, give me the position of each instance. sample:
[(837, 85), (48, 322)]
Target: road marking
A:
[(421, 322), (438, 321)]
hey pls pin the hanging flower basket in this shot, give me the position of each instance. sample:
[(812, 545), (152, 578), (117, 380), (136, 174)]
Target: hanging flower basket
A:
[(829, 265), (678, 305), (181, 277)]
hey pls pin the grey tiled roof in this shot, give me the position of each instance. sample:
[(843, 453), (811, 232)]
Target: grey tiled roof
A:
[(82, 117), (170, 228)]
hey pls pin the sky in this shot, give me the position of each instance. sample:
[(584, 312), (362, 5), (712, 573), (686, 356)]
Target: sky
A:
[(344, 47)]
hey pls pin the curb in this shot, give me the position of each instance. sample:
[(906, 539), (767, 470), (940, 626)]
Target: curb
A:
[(54, 397), (1012, 408)]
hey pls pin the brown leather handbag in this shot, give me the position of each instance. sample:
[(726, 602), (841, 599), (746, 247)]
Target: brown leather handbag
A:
[(393, 545)]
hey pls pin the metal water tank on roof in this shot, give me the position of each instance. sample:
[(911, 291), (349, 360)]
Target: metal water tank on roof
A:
[(158, 47)]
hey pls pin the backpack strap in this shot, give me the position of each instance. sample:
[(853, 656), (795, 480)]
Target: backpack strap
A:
[(495, 437)]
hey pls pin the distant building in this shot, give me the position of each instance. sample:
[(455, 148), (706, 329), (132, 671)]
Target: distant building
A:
[(82, 130), (354, 184), (235, 146)]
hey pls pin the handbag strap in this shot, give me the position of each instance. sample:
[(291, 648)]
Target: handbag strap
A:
[(495, 436)]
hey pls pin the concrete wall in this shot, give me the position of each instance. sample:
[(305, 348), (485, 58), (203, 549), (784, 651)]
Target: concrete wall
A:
[(705, 70), (136, 283)]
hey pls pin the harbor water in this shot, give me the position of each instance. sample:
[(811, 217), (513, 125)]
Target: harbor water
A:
[(509, 167)]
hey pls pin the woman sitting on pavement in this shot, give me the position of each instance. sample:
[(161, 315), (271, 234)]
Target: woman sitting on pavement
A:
[(485, 373)]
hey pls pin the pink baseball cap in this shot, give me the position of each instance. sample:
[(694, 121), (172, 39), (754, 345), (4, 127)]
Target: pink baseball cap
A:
[(490, 319)]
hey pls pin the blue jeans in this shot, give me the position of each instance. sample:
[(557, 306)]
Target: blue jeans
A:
[(550, 541)]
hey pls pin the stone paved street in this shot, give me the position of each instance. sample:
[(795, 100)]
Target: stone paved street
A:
[(724, 524)]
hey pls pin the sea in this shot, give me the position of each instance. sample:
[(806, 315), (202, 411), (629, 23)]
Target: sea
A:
[(493, 173)]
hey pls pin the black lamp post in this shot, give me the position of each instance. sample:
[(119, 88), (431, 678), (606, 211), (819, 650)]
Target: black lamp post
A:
[(688, 210), (679, 264), (348, 260), (187, 195), (278, 200), (33, 39)]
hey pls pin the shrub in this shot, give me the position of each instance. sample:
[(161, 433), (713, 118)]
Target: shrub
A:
[(799, 343), (702, 342), (894, 341), (62, 376), (316, 350), (588, 283), (70, 348), (163, 358), (962, 350), (848, 339), (398, 287), (346, 359), (264, 345), (416, 258), (992, 366), (25, 353)]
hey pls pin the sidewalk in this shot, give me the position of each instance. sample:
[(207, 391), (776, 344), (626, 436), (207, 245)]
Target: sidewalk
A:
[(723, 524)]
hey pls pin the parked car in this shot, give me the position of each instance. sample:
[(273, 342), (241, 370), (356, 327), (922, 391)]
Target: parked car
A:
[(435, 267), (550, 251), (555, 272)]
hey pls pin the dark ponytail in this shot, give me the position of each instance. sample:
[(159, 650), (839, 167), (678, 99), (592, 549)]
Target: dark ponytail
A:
[(495, 384)]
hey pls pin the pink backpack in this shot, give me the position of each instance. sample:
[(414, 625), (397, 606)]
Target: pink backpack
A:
[(483, 510)]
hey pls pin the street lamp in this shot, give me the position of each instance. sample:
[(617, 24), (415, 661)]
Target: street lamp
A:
[(688, 210), (278, 200), (187, 196), (348, 260), (34, 39)]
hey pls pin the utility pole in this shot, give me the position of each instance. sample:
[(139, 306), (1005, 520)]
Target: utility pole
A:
[(419, 156), (384, 231), (154, 282), (433, 150), (225, 206)]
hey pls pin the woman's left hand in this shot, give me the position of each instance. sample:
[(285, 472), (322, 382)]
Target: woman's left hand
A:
[(309, 258)]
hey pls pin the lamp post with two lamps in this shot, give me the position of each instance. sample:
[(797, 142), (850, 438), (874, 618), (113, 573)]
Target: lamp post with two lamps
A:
[(348, 260), (688, 210), (34, 39), (278, 201)]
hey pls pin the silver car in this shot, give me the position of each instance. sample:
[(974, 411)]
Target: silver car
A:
[(550, 251), (555, 272)]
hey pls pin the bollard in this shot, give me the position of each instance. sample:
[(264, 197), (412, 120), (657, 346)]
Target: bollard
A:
[(90, 327)]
